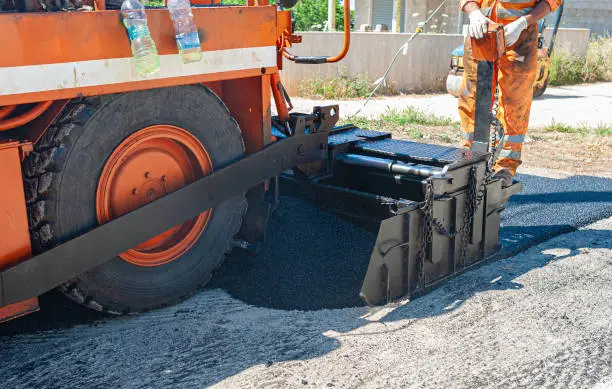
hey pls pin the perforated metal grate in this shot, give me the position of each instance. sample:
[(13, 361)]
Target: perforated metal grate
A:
[(355, 134), (421, 152)]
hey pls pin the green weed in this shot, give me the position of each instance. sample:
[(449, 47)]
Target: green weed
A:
[(411, 115), (567, 69), (581, 129), (344, 86)]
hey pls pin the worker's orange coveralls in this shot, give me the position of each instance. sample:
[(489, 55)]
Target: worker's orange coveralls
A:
[(515, 79)]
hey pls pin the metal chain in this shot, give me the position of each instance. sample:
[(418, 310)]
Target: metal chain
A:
[(498, 131), (472, 204), (426, 231), (476, 195)]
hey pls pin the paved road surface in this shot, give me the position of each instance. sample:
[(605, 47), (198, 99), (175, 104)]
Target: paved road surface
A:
[(588, 104), (540, 319)]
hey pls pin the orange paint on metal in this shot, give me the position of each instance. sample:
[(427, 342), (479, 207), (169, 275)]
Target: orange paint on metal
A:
[(5, 111), (216, 87), (14, 236), (149, 164), (251, 109), (17, 121), (279, 98), (37, 127), (266, 109), (284, 32), (70, 93), (100, 35), (492, 47), (347, 34), (22, 308), (284, 24), (204, 2), (345, 45)]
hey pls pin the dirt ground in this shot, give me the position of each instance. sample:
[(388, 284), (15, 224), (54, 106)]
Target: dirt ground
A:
[(571, 154)]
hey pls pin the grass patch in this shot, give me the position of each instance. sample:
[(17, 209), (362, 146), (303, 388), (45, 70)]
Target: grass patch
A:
[(344, 86), (581, 129), (567, 69), (565, 128), (411, 115), (412, 123), (604, 130), (403, 117)]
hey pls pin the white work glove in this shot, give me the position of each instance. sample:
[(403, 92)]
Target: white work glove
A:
[(513, 30), (478, 24)]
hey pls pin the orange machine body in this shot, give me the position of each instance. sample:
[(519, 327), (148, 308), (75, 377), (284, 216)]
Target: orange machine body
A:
[(43, 66), (492, 47), (14, 236)]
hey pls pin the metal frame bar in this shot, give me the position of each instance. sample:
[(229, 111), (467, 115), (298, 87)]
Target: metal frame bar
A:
[(45, 271)]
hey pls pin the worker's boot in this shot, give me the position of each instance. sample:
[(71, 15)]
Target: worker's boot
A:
[(505, 176)]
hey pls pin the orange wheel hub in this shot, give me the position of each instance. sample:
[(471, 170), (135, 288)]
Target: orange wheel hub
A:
[(149, 164)]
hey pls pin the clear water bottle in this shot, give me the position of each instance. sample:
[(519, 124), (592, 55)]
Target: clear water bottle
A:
[(185, 30), (143, 46)]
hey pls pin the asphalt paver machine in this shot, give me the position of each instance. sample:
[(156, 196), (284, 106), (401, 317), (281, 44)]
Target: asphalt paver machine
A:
[(126, 192)]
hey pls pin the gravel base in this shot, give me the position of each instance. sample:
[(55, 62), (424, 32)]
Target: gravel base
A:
[(537, 320), (540, 319)]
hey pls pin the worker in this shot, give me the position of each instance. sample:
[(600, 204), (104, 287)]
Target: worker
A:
[(516, 71)]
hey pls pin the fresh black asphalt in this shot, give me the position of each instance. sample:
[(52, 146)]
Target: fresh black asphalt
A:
[(315, 260)]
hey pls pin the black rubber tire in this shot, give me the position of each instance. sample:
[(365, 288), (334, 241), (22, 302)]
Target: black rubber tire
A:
[(61, 177), (539, 92)]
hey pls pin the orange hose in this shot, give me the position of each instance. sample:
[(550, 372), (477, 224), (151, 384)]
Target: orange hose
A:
[(24, 118), (5, 111)]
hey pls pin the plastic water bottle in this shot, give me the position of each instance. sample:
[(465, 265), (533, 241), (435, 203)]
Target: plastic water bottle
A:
[(185, 30), (143, 46)]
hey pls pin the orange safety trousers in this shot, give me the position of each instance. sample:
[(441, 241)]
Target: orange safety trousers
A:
[(516, 74)]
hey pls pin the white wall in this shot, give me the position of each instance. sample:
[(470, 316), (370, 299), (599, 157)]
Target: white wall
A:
[(593, 14), (571, 40), (424, 68)]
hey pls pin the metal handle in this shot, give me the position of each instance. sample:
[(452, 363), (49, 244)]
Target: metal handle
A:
[(324, 59)]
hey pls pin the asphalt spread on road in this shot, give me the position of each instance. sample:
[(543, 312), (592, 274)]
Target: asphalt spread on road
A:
[(314, 259)]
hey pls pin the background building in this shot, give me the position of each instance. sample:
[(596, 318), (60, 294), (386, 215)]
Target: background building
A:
[(595, 15)]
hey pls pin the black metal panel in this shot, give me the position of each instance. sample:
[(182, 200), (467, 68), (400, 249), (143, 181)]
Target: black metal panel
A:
[(397, 248), (484, 98), (354, 134), (421, 152)]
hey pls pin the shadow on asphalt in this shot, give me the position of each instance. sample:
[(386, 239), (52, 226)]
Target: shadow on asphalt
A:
[(558, 97), (315, 260), (56, 312)]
